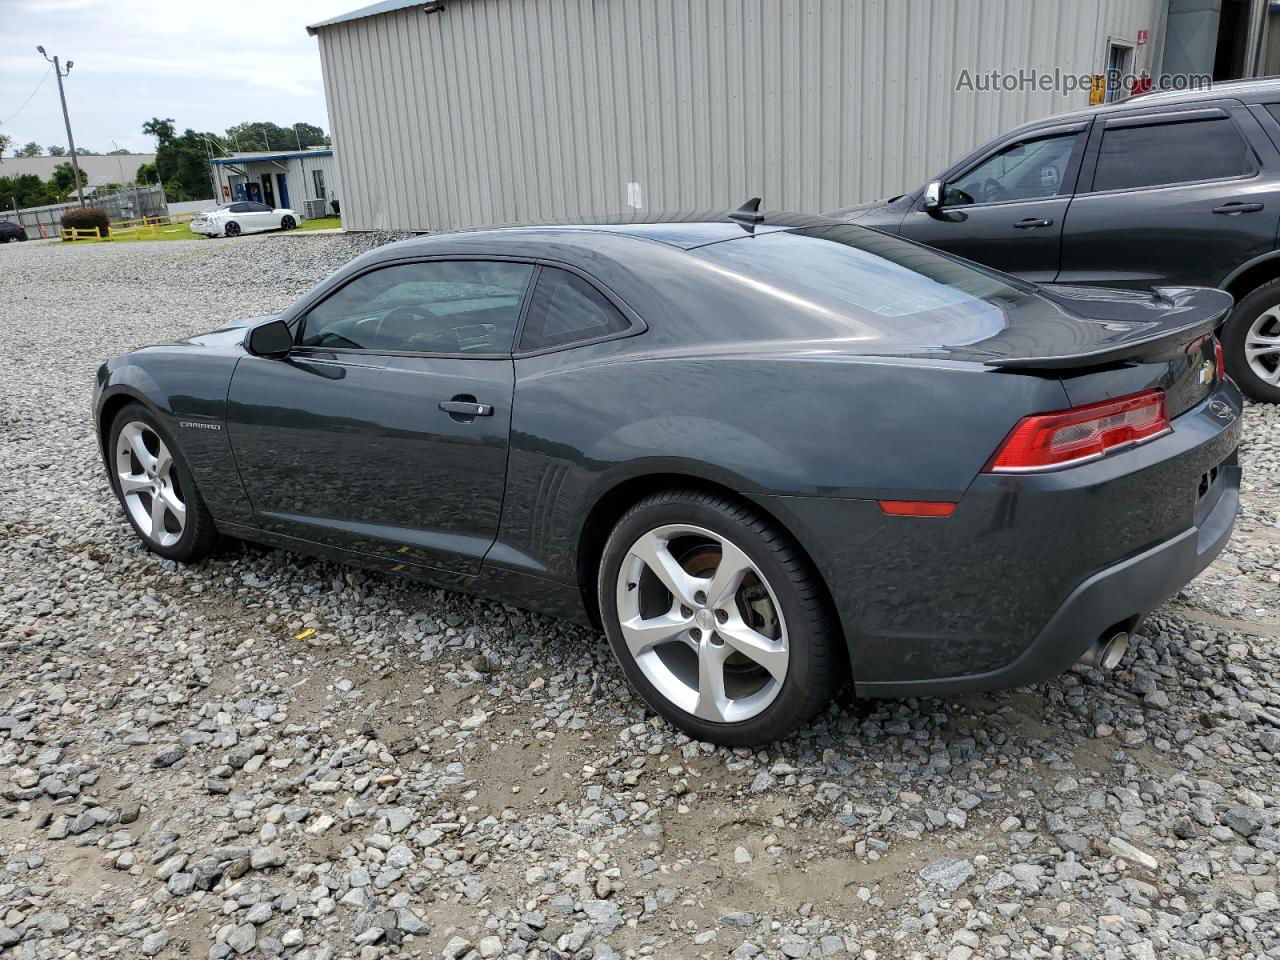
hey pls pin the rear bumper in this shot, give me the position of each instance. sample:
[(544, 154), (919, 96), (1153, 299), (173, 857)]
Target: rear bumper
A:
[(1120, 594), (1015, 585)]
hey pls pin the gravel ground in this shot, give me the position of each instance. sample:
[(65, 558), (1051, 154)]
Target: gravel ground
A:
[(185, 773)]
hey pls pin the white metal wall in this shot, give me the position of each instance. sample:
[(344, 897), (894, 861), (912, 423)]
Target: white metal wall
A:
[(509, 111)]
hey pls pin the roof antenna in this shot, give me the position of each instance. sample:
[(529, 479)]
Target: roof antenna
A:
[(748, 215)]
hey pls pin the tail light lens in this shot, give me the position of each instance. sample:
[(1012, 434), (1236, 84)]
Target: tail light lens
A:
[(1219, 359), (1045, 441)]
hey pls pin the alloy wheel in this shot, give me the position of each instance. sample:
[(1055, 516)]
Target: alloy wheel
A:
[(1262, 346), (232, 229), (149, 484), (702, 623)]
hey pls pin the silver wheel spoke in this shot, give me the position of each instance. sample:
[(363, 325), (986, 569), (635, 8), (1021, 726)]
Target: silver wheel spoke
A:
[(174, 505), (713, 702), (755, 646), (734, 565), (157, 517), (653, 551), (132, 483), (141, 453), (643, 635)]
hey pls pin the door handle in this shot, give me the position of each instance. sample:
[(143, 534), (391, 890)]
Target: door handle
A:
[(466, 408), (1237, 206), (1032, 222)]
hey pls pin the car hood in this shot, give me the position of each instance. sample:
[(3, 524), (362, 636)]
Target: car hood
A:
[(227, 334)]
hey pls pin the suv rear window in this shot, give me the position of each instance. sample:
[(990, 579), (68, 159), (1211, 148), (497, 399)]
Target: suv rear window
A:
[(1165, 153)]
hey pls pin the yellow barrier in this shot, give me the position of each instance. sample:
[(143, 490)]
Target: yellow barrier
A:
[(138, 228), (81, 233)]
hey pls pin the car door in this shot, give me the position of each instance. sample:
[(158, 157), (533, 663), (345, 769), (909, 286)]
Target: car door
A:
[(1177, 196), (1006, 208), (242, 214), (385, 429), (263, 217)]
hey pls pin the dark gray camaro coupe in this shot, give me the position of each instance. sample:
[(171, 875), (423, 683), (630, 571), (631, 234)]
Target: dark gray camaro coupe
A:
[(766, 454)]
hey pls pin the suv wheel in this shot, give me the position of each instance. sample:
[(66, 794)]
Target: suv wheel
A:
[(1251, 342), (715, 618)]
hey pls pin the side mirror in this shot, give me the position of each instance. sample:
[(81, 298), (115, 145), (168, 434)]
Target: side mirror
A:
[(273, 339), (933, 196)]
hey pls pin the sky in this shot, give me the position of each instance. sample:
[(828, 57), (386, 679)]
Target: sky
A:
[(208, 64)]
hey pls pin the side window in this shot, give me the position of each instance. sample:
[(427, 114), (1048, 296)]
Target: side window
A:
[(437, 306), (1165, 153), (257, 208), (1028, 170), (241, 207), (565, 309)]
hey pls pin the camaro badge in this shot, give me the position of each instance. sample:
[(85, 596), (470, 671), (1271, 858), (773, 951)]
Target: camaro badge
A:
[(197, 425)]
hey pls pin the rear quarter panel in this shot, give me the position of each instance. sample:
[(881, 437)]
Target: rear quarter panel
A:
[(585, 421)]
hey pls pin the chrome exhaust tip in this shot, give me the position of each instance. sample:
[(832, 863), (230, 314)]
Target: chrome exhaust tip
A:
[(1107, 651)]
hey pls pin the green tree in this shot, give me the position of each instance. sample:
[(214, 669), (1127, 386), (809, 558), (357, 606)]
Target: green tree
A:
[(182, 164), (264, 135), (28, 190), (147, 174), (5, 140), (64, 179), (56, 150), (32, 149), (162, 129), (119, 150)]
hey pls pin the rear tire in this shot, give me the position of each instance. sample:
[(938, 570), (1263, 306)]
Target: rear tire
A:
[(1251, 343), (733, 642), (232, 229), (156, 489)]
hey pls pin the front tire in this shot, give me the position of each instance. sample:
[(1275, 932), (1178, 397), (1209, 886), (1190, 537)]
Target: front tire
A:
[(155, 487), (716, 619), (287, 223), (1251, 343)]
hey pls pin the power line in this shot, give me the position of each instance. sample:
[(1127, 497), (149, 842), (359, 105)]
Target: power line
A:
[(28, 100)]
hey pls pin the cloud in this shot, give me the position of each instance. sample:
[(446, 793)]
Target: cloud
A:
[(208, 66)]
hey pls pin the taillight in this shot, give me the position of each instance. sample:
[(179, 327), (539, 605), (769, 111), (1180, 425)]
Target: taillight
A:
[(1045, 441), (1219, 360)]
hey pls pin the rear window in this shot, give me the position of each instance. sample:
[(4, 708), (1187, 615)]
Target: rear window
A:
[(836, 272), (566, 309), (1165, 153)]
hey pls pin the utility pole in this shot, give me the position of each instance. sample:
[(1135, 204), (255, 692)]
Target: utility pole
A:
[(66, 117)]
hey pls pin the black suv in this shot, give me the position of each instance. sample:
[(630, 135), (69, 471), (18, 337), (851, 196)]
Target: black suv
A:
[(11, 231), (1157, 190)]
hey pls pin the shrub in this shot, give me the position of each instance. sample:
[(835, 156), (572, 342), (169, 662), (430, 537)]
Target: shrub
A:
[(87, 218)]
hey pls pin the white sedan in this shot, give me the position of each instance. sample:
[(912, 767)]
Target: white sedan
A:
[(244, 216)]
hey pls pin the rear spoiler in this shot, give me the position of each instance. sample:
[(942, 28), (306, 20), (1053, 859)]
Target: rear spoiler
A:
[(1178, 328)]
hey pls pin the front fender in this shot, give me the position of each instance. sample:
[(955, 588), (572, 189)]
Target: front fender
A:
[(185, 387)]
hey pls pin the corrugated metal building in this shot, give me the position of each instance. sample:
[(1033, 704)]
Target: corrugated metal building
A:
[(279, 178), (469, 112)]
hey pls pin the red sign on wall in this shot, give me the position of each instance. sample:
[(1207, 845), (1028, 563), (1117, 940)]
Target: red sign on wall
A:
[(1142, 37)]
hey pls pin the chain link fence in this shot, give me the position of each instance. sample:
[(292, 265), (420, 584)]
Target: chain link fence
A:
[(127, 204)]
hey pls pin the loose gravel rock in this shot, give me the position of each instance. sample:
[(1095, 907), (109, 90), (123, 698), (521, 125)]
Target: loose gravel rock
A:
[(270, 756)]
